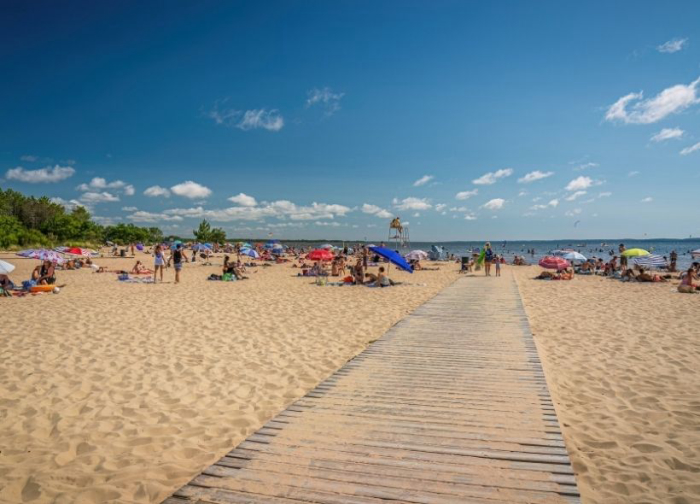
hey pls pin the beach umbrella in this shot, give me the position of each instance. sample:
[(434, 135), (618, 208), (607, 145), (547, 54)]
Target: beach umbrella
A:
[(417, 255), (553, 262), (139, 247), (250, 252), (695, 253), (562, 252), (42, 255), (393, 257), (201, 247), (320, 255), (635, 252), (78, 251), (650, 261), (6, 268), (327, 246), (574, 256)]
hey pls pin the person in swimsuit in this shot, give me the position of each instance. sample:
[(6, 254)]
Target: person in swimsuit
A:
[(44, 274), (687, 286), (488, 259), (159, 263), (178, 256)]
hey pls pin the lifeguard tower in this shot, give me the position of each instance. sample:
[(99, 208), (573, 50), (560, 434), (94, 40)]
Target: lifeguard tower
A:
[(398, 233)]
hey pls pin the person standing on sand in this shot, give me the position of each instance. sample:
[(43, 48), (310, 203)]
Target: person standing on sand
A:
[(623, 259), (159, 263), (498, 265), (178, 256), (674, 260), (488, 259)]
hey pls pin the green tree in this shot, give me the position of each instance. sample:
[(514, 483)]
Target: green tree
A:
[(217, 235), (203, 232)]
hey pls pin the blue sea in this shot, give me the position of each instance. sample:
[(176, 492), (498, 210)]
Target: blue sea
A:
[(589, 248)]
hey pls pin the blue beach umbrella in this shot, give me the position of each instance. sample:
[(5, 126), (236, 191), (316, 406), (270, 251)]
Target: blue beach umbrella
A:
[(574, 256), (393, 257), (250, 252)]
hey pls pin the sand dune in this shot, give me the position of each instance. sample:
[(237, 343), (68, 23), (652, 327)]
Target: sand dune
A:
[(622, 363), (118, 392)]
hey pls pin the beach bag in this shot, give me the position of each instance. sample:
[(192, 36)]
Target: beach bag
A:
[(123, 276), (28, 284)]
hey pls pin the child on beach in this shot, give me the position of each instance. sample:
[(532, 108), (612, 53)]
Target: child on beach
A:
[(159, 263), (498, 265)]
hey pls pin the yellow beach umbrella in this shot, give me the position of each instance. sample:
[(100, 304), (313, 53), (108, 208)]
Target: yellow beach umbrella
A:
[(635, 252)]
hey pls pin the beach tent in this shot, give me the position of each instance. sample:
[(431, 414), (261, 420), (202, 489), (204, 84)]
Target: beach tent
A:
[(650, 261), (438, 253), (6, 268), (553, 262), (393, 257), (250, 252)]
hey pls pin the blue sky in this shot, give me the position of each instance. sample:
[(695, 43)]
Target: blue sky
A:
[(488, 120)]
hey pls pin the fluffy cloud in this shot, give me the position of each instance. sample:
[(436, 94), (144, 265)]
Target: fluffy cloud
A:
[(281, 209), (470, 217), (690, 149), (463, 195), (576, 195), (100, 183), (494, 204), (492, 177), (325, 97), (129, 209), (440, 207), (552, 204), (68, 205), (412, 204), (582, 183), (155, 191), (423, 180), (129, 190), (648, 199), (669, 101), (270, 120), (92, 198), (534, 176), (141, 216), (672, 46), (667, 134), (376, 211), (243, 200), (573, 213), (191, 190), (42, 175)]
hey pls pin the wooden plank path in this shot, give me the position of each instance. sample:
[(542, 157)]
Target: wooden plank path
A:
[(449, 406)]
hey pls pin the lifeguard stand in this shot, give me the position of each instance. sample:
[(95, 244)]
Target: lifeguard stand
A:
[(398, 234)]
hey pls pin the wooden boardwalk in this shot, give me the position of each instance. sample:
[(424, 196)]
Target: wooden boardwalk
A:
[(449, 406)]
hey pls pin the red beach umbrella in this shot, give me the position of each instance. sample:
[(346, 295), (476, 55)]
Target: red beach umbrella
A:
[(320, 255), (78, 251), (552, 262)]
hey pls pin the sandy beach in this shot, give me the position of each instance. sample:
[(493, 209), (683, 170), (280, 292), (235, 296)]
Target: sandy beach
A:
[(621, 362), (116, 392)]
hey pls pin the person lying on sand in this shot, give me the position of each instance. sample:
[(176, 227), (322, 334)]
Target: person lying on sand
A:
[(545, 275)]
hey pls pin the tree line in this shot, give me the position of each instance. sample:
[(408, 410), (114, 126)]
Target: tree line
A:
[(29, 221)]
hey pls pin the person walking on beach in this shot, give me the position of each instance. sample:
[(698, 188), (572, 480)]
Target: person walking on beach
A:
[(178, 256), (498, 265), (623, 259), (488, 258), (159, 263)]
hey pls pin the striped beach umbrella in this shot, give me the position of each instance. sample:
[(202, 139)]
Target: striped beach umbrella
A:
[(552, 262), (650, 261), (42, 255)]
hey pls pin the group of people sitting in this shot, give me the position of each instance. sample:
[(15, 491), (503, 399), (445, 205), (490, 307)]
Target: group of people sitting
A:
[(565, 274)]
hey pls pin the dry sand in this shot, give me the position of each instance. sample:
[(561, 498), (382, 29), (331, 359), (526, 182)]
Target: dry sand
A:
[(623, 366), (122, 393)]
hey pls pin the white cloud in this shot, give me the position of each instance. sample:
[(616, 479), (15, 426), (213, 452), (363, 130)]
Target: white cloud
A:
[(281, 209), (91, 197), (582, 183), (552, 204), (129, 209), (492, 177), (648, 199), (690, 149), (585, 166), (494, 204), (440, 207), (68, 205), (325, 97), (243, 200), (667, 134), (672, 46), (576, 195), (522, 193), (423, 180), (98, 183), (191, 190), (669, 101), (604, 195), (270, 120), (633, 173), (412, 204), (463, 195), (129, 190), (331, 224), (141, 216), (156, 190), (533, 176), (376, 211), (470, 217), (42, 175), (573, 213)]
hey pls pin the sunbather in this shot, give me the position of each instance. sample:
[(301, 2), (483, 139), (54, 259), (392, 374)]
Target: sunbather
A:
[(687, 286)]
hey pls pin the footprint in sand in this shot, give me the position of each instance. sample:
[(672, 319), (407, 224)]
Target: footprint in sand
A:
[(31, 490), (647, 447)]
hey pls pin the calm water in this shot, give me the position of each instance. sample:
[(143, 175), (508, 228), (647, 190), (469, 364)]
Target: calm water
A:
[(589, 248)]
